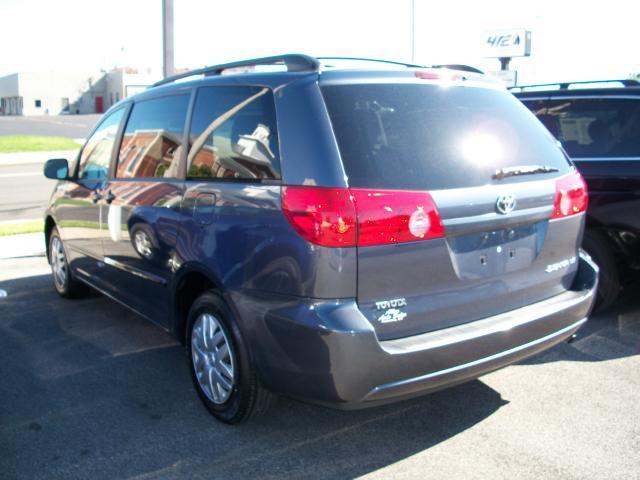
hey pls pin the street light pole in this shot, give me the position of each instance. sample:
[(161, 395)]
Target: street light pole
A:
[(167, 38), (413, 31)]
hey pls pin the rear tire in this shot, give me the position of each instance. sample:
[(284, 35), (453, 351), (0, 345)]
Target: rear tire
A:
[(220, 365), (597, 246), (63, 280)]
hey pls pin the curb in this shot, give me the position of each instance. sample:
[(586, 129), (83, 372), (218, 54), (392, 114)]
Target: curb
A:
[(18, 221), (22, 245), (26, 158)]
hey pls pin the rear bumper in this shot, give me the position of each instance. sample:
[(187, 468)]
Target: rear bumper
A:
[(327, 351)]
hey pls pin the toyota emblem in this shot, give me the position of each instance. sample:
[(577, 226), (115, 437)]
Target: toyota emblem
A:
[(506, 203)]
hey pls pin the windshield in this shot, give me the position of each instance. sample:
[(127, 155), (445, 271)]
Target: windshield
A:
[(411, 136)]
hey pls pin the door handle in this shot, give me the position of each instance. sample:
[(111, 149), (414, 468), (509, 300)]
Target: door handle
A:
[(110, 197), (204, 208)]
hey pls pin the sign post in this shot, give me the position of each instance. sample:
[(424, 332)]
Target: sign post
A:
[(504, 45)]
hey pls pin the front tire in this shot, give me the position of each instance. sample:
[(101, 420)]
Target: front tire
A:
[(220, 364), (63, 281)]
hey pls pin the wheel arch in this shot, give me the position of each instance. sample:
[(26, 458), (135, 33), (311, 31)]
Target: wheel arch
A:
[(49, 223), (190, 282)]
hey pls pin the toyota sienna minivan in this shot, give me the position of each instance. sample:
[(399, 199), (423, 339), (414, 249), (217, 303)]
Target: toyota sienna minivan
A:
[(347, 234)]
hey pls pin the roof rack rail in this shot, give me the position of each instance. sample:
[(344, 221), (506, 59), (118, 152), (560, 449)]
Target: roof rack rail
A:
[(373, 60), (459, 66), (626, 82), (294, 63), (465, 68)]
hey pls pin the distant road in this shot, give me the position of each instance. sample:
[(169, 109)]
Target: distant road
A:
[(71, 126), (24, 192)]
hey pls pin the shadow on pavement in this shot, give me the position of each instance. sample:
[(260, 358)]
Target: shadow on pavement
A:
[(90, 390)]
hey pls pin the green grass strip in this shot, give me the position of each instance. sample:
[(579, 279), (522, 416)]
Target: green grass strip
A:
[(32, 143), (32, 226)]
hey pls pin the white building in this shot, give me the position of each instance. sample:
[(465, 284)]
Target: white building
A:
[(53, 93)]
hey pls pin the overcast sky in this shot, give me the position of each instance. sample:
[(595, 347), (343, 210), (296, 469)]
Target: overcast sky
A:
[(571, 40)]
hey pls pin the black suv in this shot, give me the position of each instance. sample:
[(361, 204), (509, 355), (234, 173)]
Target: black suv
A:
[(598, 124), (349, 236)]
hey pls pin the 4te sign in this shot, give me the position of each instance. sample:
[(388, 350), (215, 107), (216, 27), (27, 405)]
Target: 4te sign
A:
[(507, 43)]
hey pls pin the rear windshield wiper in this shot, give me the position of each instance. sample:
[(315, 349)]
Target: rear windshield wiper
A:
[(522, 170)]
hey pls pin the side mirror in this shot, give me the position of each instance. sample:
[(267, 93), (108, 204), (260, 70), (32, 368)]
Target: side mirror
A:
[(56, 169)]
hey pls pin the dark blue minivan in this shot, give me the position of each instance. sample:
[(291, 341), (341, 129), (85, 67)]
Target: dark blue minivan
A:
[(348, 234)]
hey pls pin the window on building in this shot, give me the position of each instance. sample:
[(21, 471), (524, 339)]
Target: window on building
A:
[(233, 134), (96, 155), (152, 141), (38, 103)]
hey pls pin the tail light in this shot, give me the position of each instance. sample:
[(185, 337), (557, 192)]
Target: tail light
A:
[(342, 217), (324, 216), (571, 196), (389, 216)]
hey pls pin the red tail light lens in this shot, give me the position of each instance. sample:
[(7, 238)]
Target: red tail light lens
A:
[(341, 217), (571, 196), (387, 216), (324, 216)]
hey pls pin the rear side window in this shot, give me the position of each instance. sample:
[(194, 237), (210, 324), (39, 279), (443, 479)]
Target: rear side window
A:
[(96, 155), (592, 127), (233, 135), (152, 141), (411, 136)]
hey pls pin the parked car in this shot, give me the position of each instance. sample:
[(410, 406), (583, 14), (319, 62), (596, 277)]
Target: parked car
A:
[(598, 124), (347, 236)]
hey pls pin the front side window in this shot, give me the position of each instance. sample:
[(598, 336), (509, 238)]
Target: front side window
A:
[(233, 135), (592, 127), (152, 141), (96, 155)]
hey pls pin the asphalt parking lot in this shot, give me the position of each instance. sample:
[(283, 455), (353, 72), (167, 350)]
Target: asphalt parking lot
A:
[(90, 390), (71, 126)]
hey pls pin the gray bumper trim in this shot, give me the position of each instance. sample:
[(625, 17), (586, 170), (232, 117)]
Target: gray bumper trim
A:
[(480, 361), (479, 328)]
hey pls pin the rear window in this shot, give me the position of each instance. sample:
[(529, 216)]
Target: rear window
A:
[(592, 127), (410, 136)]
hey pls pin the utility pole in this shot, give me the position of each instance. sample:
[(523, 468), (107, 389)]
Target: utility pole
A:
[(413, 31), (167, 38)]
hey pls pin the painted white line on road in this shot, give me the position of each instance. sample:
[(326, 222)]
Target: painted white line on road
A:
[(22, 174)]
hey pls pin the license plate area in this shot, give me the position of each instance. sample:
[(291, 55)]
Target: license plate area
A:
[(495, 252)]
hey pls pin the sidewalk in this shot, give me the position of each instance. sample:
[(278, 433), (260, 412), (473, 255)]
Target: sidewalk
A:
[(24, 158), (25, 245)]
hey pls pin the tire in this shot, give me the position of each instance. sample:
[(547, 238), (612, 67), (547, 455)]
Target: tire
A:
[(220, 364), (63, 280), (143, 241), (596, 245)]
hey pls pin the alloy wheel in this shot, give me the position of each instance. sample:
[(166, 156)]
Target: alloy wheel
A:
[(58, 262), (213, 358)]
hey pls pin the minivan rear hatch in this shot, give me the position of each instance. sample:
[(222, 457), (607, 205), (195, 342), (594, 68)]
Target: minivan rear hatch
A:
[(493, 172)]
